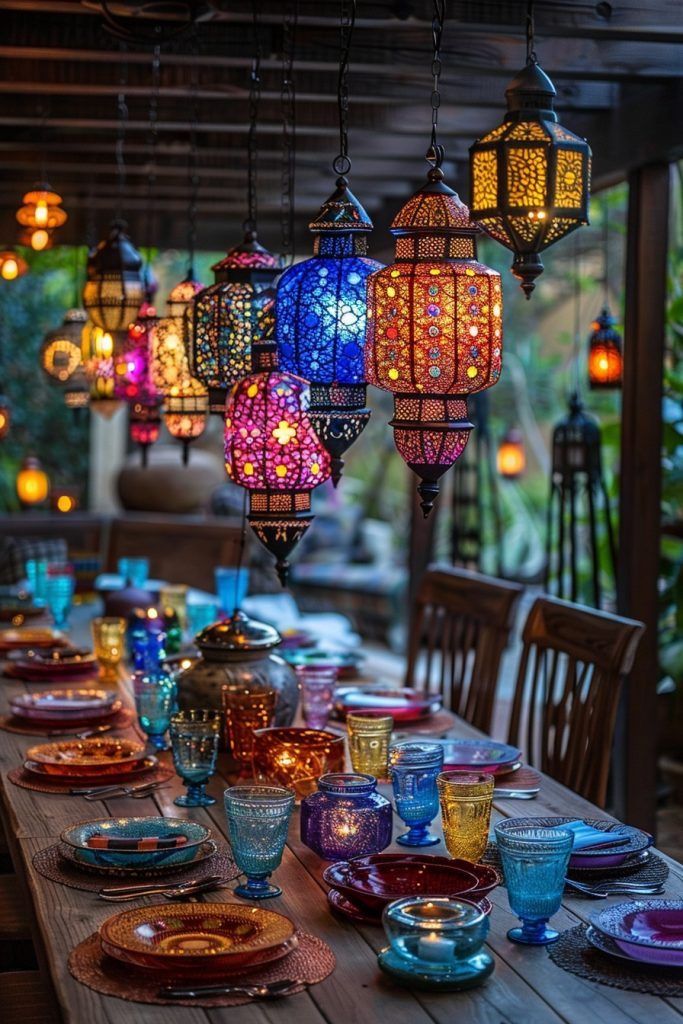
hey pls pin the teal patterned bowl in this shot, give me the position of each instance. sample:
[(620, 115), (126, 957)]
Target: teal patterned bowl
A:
[(77, 837)]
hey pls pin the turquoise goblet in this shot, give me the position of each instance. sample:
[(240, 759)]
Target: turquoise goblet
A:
[(535, 866), (258, 818), (194, 741)]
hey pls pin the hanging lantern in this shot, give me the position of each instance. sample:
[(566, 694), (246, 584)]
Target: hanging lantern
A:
[(181, 297), (12, 265), (60, 353), (98, 349), (42, 210), (64, 500), (132, 362), (511, 456), (321, 322), (434, 330), (185, 415), (38, 238), (272, 450), (77, 390), (605, 358), (145, 425), (5, 417), (226, 318), (32, 483), (530, 176), (115, 287)]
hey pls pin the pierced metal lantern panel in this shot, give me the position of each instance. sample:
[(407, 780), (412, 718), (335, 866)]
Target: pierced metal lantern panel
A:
[(605, 356), (182, 295), (530, 176), (60, 353), (185, 413), (115, 287)]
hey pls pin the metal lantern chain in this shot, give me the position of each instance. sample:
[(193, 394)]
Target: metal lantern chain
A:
[(436, 152), (288, 107), (193, 164), (531, 57), (152, 140), (605, 248), (122, 113), (342, 164), (254, 100)]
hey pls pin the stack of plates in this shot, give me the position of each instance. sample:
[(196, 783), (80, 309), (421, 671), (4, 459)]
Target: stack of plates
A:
[(82, 762), (65, 709), (60, 665), (194, 837), (200, 940), (404, 705), (600, 858), (642, 931), (361, 888), (17, 639)]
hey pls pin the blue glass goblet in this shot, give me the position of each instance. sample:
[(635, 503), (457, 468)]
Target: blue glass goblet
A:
[(194, 740), (414, 768), (155, 702), (59, 592), (36, 573), (258, 818), (535, 865), (134, 571)]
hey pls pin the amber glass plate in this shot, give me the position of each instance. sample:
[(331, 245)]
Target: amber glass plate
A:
[(218, 967), (95, 775), (196, 934), (87, 757), (35, 637)]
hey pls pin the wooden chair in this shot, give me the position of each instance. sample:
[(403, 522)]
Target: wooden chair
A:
[(460, 627), (572, 666), (181, 549)]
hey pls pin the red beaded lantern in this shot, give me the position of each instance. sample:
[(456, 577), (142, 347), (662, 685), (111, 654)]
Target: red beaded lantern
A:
[(272, 450), (132, 370), (434, 330)]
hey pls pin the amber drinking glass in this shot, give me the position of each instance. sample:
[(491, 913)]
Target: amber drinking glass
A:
[(465, 799), (296, 757), (246, 709), (369, 737), (109, 639)]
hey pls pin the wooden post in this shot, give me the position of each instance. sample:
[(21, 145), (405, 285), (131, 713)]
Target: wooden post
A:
[(107, 455), (421, 545), (640, 484)]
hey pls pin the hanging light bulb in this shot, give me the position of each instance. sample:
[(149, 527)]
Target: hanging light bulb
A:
[(32, 483), (60, 353), (115, 288), (42, 209), (511, 456), (97, 351), (12, 265), (530, 175)]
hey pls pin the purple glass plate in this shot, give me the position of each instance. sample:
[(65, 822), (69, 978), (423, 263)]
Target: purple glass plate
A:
[(480, 754), (599, 857), (403, 705), (649, 930), (659, 958)]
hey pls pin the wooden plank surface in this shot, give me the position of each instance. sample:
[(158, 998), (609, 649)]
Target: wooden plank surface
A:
[(526, 987)]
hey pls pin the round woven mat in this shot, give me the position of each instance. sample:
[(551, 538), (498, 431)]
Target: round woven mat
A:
[(574, 953), (20, 777), (51, 864), (10, 724), (650, 872), (312, 961)]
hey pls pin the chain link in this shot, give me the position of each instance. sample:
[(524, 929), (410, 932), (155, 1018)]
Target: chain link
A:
[(436, 152), (288, 105), (347, 18), (252, 148), (122, 114), (192, 163)]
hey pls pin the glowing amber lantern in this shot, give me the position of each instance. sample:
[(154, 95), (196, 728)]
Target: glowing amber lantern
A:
[(185, 415), (42, 210), (115, 286), (33, 484), (511, 456), (98, 349), (227, 318), (64, 500), (38, 239), (272, 450), (530, 176), (12, 265), (60, 353), (605, 358), (434, 330), (5, 417)]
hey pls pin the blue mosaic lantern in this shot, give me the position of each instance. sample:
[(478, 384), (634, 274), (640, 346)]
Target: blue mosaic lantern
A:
[(321, 310)]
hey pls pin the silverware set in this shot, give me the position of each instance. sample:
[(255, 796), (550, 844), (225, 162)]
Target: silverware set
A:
[(87, 734), (177, 891), (269, 991), (601, 890), (112, 792)]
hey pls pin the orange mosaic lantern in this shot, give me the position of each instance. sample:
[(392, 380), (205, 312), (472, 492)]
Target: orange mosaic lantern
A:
[(434, 331), (605, 357)]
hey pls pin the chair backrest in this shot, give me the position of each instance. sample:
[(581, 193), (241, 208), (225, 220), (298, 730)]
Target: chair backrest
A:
[(571, 669), (181, 549), (460, 627)]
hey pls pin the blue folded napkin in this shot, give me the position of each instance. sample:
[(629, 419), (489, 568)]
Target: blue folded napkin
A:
[(585, 836)]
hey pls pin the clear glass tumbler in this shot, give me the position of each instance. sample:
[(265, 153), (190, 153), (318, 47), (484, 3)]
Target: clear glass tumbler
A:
[(535, 866), (246, 709), (466, 799), (195, 737), (317, 693), (258, 819), (369, 737), (414, 768), (59, 593)]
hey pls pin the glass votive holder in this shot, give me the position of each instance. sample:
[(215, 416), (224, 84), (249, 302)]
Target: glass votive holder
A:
[(534, 864), (36, 574), (465, 799), (109, 640), (134, 571), (296, 757), (232, 585), (200, 614), (195, 737), (246, 709), (258, 819), (346, 818), (174, 595), (369, 737), (436, 943), (317, 693), (60, 584), (414, 768)]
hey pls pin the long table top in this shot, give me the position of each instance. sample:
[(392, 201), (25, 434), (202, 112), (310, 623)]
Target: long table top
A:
[(525, 988)]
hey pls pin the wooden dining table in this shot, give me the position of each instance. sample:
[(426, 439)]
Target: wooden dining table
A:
[(526, 987)]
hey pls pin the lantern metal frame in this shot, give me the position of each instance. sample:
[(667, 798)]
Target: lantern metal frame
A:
[(61, 350), (114, 289), (605, 344)]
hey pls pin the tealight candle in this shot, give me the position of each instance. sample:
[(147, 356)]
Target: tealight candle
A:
[(432, 947)]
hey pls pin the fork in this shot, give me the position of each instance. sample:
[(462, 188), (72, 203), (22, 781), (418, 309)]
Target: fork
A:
[(269, 991), (174, 892), (601, 890), (113, 792)]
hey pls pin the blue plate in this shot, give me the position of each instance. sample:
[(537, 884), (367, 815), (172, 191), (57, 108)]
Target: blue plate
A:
[(77, 836)]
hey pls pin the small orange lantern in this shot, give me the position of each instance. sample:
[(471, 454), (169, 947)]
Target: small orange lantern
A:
[(33, 484), (511, 456), (12, 265), (605, 358), (64, 500)]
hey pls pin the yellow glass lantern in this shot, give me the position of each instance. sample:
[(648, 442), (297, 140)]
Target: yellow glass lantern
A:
[(12, 265), (530, 176), (60, 353), (98, 348), (33, 484), (511, 456)]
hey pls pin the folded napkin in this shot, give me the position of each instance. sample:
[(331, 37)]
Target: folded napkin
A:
[(586, 837)]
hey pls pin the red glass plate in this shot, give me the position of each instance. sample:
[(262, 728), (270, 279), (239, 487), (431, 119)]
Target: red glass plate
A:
[(404, 705), (375, 885), (100, 777), (344, 905), (486, 877)]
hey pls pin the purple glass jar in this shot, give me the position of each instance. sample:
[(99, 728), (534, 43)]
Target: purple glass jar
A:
[(346, 818)]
